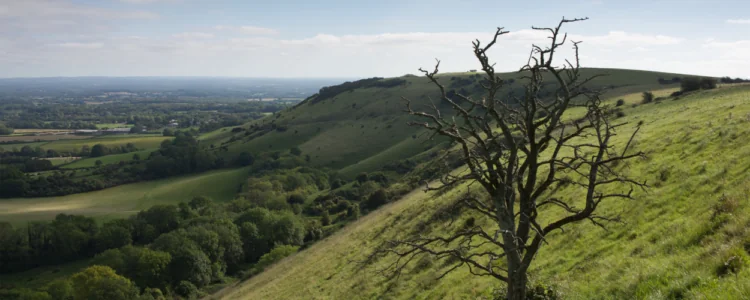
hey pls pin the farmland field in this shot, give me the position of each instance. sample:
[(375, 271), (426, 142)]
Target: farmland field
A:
[(107, 159), (35, 138), (121, 201)]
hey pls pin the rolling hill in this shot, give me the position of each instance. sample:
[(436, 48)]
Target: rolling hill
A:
[(675, 240), (361, 126)]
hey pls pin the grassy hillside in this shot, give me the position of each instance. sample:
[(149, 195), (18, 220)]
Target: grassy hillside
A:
[(124, 200), (674, 242), (363, 128)]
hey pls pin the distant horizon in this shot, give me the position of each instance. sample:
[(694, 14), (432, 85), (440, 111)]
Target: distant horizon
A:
[(320, 78), (353, 39)]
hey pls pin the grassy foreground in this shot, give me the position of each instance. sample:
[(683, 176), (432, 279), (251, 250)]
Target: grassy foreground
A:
[(124, 200), (674, 243)]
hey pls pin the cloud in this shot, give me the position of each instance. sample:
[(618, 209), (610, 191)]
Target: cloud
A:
[(738, 21), (250, 30), (193, 35), (147, 1), (81, 45), (34, 9), (619, 38)]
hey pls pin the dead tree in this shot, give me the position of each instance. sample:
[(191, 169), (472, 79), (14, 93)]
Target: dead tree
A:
[(520, 149)]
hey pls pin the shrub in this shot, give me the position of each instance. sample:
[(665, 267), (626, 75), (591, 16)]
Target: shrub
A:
[(708, 83), (362, 177), (278, 253), (620, 102), (690, 84), (647, 97), (325, 218), (377, 199), (295, 199), (186, 289)]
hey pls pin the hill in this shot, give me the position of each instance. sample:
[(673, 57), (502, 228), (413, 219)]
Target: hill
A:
[(360, 126), (675, 243)]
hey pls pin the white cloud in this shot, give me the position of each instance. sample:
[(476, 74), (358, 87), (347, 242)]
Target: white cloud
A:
[(738, 21), (195, 35), (619, 38), (81, 45), (250, 30)]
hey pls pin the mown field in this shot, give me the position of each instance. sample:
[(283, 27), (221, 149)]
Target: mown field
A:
[(674, 240), (124, 200), (107, 159)]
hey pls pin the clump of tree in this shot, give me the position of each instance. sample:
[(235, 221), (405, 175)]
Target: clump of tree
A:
[(519, 161), (728, 79), (5, 130), (697, 83)]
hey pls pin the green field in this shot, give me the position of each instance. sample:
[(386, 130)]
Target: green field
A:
[(107, 159), (113, 125), (140, 141), (124, 200), (669, 246)]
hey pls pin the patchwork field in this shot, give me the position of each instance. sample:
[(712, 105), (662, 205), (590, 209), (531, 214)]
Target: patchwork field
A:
[(107, 159), (691, 221), (121, 201)]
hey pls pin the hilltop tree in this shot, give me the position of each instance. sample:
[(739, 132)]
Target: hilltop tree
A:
[(519, 150)]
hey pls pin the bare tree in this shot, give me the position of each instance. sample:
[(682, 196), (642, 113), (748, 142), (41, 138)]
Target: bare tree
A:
[(520, 150)]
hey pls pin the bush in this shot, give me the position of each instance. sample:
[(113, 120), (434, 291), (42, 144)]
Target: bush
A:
[(377, 199), (278, 253), (647, 97), (620, 102), (325, 218), (362, 177), (708, 83), (295, 199), (690, 84), (186, 289)]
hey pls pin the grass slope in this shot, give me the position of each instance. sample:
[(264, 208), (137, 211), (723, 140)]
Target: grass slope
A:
[(364, 128), (121, 201), (674, 238)]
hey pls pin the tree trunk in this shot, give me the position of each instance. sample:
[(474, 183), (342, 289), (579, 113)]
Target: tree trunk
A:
[(517, 285)]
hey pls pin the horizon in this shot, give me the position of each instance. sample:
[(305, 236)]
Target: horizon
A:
[(338, 39), (307, 78)]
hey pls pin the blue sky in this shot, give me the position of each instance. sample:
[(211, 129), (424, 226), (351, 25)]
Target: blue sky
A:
[(285, 38)]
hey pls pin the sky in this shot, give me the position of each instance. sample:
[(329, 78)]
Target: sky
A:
[(359, 39)]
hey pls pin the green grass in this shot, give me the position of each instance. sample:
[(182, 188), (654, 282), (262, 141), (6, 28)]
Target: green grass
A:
[(112, 125), (363, 129), (107, 159), (667, 247), (140, 141), (59, 161), (124, 200)]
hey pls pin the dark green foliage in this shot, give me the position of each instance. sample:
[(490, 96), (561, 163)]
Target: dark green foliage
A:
[(136, 129), (245, 159), (377, 199), (647, 97), (295, 199), (696, 83), (186, 289), (4, 130), (295, 151), (362, 177), (98, 150), (325, 218), (114, 234), (330, 92), (620, 102)]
